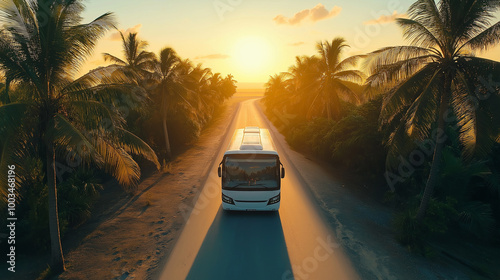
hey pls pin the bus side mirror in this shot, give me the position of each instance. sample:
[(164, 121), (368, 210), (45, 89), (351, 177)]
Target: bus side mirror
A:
[(282, 172), (219, 170)]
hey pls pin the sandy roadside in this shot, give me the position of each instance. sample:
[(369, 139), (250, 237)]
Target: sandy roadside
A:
[(134, 234)]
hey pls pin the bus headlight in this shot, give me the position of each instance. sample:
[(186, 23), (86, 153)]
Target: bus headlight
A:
[(227, 199), (274, 199)]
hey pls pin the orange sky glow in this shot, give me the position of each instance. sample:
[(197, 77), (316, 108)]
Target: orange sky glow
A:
[(252, 40)]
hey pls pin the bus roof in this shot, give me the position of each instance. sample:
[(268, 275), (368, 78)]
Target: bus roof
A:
[(251, 140)]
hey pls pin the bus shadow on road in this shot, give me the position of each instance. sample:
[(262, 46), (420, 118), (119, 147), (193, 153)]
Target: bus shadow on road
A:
[(242, 245)]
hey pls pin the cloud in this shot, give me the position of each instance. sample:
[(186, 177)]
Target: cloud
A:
[(296, 44), (213, 56), (319, 12), (116, 35), (383, 19)]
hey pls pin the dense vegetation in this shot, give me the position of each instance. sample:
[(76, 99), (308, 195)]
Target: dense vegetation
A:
[(59, 131), (425, 121)]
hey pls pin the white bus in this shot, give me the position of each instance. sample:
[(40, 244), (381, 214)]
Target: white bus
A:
[(251, 173)]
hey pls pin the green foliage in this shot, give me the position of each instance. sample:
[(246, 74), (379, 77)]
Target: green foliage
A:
[(415, 234), (476, 218), (438, 73), (43, 44), (186, 97), (77, 195), (353, 142), (182, 95), (470, 184), (33, 208), (410, 86), (308, 135)]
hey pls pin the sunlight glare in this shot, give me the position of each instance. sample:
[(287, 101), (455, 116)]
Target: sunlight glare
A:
[(252, 55)]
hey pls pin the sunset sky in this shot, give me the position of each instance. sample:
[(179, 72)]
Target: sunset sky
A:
[(251, 39)]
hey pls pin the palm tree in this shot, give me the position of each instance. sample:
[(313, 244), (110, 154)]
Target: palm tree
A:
[(335, 76), (436, 76), (170, 88), (208, 93), (277, 91), (220, 88), (304, 78), (214, 83), (228, 86), (61, 116), (138, 62)]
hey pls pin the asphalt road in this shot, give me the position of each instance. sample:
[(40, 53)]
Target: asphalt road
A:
[(294, 243)]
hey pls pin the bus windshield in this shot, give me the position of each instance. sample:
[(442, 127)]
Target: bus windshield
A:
[(251, 172)]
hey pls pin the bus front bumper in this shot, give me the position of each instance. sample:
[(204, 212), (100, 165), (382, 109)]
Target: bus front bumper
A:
[(251, 200), (250, 206)]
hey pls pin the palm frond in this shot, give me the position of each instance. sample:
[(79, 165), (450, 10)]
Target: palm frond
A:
[(394, 55), (108, 74), (428, 14), (118, 163), (345, 92), (417, 33), (389, 75), (355, 76), (133, 144), (351, 61), (476, 217), (484, 40), (108, 85), (405, 93), (145, 58), (477, 130), (16, 57), (130, 96), (83, 38), (398, 144), (113, 59), (68, 137), (422, 113), (12, 116), (469, 18), (102, 116)]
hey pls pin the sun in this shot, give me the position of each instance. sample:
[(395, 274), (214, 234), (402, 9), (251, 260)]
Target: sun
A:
[(252, 55)]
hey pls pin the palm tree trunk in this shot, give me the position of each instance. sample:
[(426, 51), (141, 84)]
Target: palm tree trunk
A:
[(6, 98), (335, 103), (57, 259), (165, 133), (164, 109), (438, 149), (431, 181)]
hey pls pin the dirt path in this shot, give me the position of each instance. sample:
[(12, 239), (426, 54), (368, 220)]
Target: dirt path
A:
[(131, 236)]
